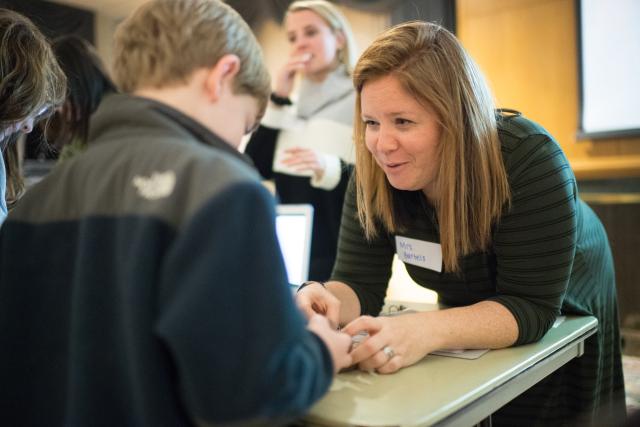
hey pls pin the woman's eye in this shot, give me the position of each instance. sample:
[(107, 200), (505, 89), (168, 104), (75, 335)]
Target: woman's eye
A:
[(401, 122), (310, 33), (369, 123)]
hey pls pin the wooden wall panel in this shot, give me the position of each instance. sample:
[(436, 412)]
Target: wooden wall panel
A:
[(528, 52)]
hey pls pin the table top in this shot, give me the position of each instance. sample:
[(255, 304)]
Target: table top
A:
[(437, 386)]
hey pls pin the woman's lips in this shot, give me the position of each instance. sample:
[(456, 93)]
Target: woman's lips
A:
[(395, 166)]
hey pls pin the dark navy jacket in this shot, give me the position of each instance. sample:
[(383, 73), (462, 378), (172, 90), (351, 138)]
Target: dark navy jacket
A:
[(141, 283)]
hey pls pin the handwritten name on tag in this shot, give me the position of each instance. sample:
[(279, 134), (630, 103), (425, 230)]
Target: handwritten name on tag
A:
[(420, 253)]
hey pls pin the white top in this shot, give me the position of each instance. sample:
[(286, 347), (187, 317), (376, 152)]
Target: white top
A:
[(321, 119)]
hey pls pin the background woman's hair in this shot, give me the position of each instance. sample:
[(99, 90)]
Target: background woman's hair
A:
[(30, 81), (87, 81), (337, 22), (471, 181)]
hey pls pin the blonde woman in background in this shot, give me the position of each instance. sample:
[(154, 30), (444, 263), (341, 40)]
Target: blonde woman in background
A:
[(304, 142)]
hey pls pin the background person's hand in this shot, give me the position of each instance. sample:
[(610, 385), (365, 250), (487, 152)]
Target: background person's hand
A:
[(338, 343), (305, 159), (286, 75), (315, 299), (403, 336)]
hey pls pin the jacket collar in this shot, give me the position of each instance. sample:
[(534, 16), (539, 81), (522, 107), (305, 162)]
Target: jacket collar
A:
[(201, 133), (122, 113)]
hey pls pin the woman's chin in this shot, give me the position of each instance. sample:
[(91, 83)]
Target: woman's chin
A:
[(401, 185)]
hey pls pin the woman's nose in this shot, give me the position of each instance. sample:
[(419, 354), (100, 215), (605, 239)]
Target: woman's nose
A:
[(386, 141), (300, 44)]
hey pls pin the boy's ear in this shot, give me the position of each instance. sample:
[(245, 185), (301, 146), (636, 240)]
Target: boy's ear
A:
[(221, 75)]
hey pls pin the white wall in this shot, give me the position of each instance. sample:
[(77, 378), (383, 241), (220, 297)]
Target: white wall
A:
[(105, 27)]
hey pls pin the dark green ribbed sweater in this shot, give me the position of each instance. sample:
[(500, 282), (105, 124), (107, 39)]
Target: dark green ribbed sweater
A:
[(549, 255)]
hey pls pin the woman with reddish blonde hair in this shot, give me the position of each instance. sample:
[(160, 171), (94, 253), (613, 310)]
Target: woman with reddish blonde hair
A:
[(482, 206)]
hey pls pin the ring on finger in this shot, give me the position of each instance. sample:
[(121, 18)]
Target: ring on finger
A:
[(388, 351)]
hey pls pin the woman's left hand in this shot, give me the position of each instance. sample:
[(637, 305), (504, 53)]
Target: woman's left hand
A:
[(305, 159), (392, 342)]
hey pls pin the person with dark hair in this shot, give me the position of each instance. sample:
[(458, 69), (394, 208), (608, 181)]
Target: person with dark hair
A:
[(88, 82), (31, 86)]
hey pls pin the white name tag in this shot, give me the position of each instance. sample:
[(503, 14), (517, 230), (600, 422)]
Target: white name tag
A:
[(420, 253)]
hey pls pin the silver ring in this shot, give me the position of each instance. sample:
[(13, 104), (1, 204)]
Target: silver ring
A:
[(388, 351)]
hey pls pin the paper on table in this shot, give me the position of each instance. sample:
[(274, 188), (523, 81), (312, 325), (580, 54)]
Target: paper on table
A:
[(559, 321), (462, 354)]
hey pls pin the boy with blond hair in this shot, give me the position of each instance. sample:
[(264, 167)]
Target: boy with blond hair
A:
[(143, 284)]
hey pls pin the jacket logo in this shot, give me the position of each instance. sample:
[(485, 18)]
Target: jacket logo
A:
[(157, 186)]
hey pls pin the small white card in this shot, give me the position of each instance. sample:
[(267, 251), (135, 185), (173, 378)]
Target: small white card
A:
[(419, 252), (323, 135)]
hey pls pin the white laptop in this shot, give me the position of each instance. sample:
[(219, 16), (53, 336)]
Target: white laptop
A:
[(294, 224)]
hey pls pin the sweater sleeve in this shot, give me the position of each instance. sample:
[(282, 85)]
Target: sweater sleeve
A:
[(228, 319), (364, 265), (535, 241), (337, 171), (332, 173), (261, 148)]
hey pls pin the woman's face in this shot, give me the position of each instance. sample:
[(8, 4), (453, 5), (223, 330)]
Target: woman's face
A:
[(311, 37), (402, 135), (25, 125)]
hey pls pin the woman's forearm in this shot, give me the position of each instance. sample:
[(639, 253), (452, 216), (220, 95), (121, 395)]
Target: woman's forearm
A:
[(487, 324)]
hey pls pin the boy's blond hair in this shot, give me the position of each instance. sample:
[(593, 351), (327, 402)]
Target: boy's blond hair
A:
[(164, 41)]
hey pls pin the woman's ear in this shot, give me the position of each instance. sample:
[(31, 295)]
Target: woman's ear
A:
[(220, 77), (341, 40)]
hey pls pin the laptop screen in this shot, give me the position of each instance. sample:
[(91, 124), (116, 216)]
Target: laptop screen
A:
[(293, 227)]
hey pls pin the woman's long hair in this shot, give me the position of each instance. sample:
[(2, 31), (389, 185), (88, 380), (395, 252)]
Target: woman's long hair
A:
[(471, 180), (31, 82)]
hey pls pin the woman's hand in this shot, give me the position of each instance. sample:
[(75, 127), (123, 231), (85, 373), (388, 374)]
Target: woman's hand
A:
[(286, 75), (392, 342), (315, 299), (305, 159)]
